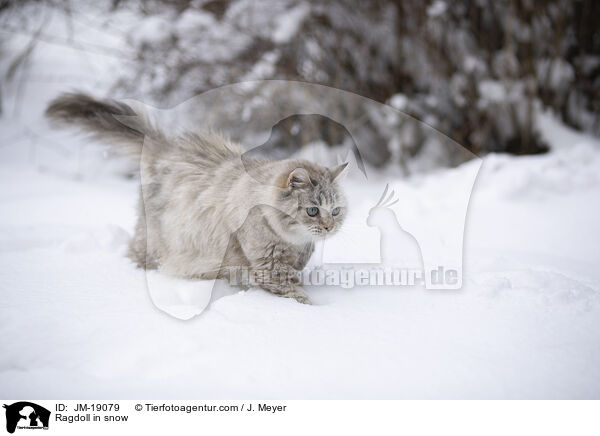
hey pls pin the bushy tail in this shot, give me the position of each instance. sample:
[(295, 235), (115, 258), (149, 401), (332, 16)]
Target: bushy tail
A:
[(106, 120)]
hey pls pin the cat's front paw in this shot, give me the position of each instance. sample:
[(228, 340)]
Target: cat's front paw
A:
[(299, 296)]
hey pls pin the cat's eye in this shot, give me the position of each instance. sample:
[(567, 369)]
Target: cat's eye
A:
[(312, 211), (335, 211)]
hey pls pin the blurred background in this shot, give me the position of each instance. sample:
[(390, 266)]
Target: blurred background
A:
[(478, 71)]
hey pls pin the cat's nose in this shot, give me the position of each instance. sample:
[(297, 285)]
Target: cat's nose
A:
[(327, 223)]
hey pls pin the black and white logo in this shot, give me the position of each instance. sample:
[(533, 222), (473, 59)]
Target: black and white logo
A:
[(26, 415)]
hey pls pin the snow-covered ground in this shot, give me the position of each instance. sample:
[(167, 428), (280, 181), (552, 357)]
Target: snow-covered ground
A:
[(76, 318)]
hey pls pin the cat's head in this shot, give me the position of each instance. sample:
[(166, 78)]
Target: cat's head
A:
[(317, 205)]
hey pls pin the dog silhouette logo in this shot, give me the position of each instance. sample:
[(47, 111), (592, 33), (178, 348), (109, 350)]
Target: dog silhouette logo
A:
[(26, 415)]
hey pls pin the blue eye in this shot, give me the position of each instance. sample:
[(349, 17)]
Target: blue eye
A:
[(335, 211), (312, 211)]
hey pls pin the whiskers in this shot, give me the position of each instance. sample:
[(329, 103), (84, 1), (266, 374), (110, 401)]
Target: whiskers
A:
[(316, 232)]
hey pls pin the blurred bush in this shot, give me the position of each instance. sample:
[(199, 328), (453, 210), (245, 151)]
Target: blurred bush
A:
[(476, 70)]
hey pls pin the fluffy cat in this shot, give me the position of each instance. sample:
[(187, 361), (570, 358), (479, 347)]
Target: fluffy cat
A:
[(205, 209)]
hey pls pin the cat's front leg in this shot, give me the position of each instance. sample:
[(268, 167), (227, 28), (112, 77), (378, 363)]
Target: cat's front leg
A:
[(271, 261), (277, 277), (287, 291), (280, 279), (299, 295)]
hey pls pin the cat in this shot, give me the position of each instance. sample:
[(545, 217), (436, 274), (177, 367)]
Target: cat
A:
[(206, 209)]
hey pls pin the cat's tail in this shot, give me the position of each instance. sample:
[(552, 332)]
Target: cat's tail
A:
[(109, 121)]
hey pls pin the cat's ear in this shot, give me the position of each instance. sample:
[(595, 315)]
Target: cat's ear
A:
[(337, 171), (298, 178)]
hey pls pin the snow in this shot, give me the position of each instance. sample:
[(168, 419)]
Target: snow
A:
[(193, 20), (78, 319), (153, 30), (399, 101), (492, 90), (289, 23), (437, 8), (558, 73)]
